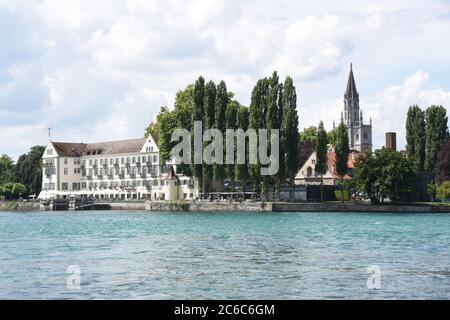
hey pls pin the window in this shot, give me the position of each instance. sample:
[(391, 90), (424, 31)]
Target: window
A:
[(66, 161), (83, 185), (134, 160), (65, 186), (366, 136), (309, 172), (76, 186), (155, 183), (66, 171), (357, 137), (155, 158), (49, 151), (90, 162), (111, 161), (76, 170), (122, 160), (144, 159), (184, 195)]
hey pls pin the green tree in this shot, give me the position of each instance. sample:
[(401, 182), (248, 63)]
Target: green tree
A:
[(231, 123), (166, 123), (384, 174), (289, 132), (443, 162), (197, 115), (208, 123), (443, 191), (321, 154), (6, 165), (436, 133), (274, 116), (222, 101), (432, 190), (18, 190), (241, 170), (257, 117), (332, 136), (309, 134), (342, 150), (6, 190), (415, 138), (28, 170)]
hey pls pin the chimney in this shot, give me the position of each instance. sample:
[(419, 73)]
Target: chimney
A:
[(391, 141)]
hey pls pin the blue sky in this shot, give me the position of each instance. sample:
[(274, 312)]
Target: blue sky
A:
[(101, 70)]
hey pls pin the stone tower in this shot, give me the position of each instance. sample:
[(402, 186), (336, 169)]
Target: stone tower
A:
[(359, 134)]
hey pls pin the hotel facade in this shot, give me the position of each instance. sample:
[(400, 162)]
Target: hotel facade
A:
[(117, 170)]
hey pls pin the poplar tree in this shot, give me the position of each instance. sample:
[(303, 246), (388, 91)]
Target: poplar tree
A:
[(220, 123), (197, 115), (257, 117), (342, 150), (436, 133), (208, 123), (241, 170), (289, 132), (321, 154), (274, 116), (415, 137), (231, 123)]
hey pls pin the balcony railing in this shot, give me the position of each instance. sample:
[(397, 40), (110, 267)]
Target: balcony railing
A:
[(121, 175), (89, 177), (110, 176), (143, 175), (133, 175), (48, 164)]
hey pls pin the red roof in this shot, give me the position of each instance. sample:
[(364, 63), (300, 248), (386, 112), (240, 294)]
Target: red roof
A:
[(331, 163)]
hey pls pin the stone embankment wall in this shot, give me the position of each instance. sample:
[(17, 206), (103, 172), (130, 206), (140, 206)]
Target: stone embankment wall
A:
[(206, 206)]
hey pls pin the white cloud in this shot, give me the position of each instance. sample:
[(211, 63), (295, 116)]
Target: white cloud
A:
[(99, 70), (391, 104)]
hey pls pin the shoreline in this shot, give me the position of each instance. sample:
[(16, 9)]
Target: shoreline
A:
[(197, 206)]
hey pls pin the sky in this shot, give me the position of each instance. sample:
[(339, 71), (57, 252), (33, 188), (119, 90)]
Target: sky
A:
[(100, 70)]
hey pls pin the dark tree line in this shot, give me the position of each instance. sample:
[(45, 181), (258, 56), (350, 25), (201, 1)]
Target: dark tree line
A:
[(425, 133), (23, 177), (273, 106)]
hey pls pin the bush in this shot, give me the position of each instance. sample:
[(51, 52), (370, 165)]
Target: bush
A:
[(338, 195), (443, 191)]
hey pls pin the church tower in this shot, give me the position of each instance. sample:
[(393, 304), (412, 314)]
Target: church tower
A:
[(359, 134)]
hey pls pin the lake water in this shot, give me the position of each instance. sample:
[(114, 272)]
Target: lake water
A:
[(141, 255)]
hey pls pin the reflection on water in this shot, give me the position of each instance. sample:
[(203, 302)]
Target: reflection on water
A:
[(138, 255)]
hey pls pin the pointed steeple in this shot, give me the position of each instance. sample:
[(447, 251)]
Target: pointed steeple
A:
[(351, 86)]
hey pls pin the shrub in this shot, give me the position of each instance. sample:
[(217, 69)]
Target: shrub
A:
[(443, 191), (338, 195)]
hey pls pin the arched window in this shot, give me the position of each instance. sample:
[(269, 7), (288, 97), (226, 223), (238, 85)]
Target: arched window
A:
[(309, 172)]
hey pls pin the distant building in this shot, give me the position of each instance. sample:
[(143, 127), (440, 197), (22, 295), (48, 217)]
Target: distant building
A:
[(128, 169), (307, 174), (391, 141), (359, 133)]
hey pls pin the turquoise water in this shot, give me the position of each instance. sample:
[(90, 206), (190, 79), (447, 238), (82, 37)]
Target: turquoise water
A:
[(138, 255)]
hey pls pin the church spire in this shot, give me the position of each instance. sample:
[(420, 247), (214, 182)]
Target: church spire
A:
[(351, 86)]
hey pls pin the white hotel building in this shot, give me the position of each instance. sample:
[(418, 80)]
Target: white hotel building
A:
[(117, 170)]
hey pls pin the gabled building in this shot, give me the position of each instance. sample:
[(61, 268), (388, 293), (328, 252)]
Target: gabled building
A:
[(127, 169), (307, 174)]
